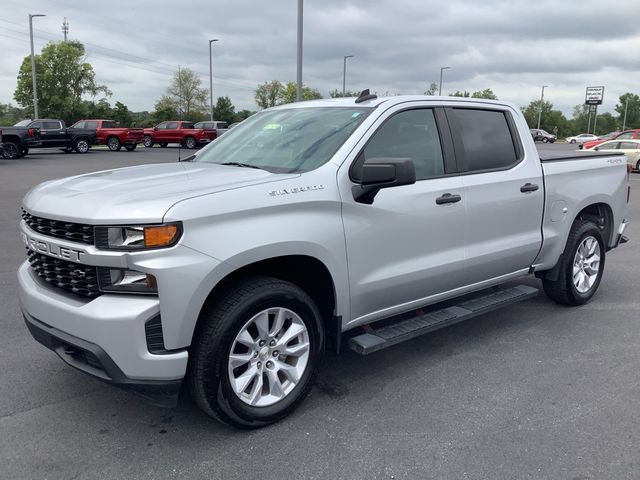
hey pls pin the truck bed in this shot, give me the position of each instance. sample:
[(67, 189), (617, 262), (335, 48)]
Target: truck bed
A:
[(565, 157)]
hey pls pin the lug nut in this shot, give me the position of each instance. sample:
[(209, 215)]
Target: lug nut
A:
[(255, 354), (261, 343), (269, 364), (259, 364), (272, 343), (276, 353)]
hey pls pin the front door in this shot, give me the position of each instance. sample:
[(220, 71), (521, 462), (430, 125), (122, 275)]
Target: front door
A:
[(409, 243)]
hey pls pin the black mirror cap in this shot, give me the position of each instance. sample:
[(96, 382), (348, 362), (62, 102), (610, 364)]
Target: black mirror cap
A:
[(380, 173)]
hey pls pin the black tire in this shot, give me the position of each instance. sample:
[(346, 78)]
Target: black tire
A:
[(208, 358), (147, 141), (190, 143), (638, 166), (164, 145), (11, 150), (545, 140), (81, 145), (573, 141), (114, 144), (130, 148), (563, 290)]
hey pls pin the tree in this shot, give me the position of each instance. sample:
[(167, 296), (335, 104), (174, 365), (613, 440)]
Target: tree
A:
[(486, 93), (432, 90), (290, 91), (338, 93), (165, 109), (533, 109), (268, 94), (189, 98), (224, 110), (633, 110), (606, 123), (551, 120), (63, 78), (242, 115), (10, 115), (460, 94), (122, 115)]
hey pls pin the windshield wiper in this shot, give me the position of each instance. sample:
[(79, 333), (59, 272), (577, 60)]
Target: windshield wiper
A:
[(238, 164)]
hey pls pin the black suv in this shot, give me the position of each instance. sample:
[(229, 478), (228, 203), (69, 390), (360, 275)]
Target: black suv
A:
[(542, 136)]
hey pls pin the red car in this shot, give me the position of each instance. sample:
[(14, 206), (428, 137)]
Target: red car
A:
[(178, 132), (111, 135), (626, 135)]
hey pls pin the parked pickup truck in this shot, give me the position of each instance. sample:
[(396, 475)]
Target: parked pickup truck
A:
[(54, 133), (178, 132), (17, 140), (111, 135), (219, 126), (235, 270)]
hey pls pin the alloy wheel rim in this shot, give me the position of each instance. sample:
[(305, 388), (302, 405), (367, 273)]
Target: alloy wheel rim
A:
[(83, 146), (268, 357), (113, 144), (586, 264)]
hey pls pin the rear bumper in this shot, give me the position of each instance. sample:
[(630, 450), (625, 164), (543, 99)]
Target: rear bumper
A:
[(93, 360)]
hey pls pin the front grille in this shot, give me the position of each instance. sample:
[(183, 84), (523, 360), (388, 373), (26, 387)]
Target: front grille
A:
[(76, 232), (72, 277)]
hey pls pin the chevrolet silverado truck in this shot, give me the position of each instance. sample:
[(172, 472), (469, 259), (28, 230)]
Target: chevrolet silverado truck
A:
[(55, 134), (180, 132), (17, 140), (306, 227), (110, 134)]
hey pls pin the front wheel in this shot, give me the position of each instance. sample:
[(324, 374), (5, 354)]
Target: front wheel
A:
[(545, 140), (190, 143), (572, 141), (11, 150), (581, 267), (147, 141), (81, 145), (114, 144), (256, 352)]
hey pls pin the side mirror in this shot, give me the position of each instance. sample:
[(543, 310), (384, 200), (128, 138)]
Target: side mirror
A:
[(377, 173), (155, 128)]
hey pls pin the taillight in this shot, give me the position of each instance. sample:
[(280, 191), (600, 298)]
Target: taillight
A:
[(31, 132)]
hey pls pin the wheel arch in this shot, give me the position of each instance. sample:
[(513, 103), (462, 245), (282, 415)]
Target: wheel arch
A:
[(304, 271)]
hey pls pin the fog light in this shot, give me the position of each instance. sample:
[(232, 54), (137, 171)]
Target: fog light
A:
[(116, 280)]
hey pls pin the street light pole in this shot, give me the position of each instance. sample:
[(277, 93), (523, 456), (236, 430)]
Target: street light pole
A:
[(541, 101), (299, 59), (211, 80), (344, 72), (441, 70), (624, 122), (33, 65)]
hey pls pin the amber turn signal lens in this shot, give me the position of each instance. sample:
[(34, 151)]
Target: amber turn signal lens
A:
[(160, 236)]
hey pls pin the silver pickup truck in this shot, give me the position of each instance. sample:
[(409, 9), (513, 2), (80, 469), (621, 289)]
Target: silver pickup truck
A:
[(308, 226)]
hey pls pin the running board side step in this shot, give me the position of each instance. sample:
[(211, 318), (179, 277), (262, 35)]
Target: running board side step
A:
[(404, 330)]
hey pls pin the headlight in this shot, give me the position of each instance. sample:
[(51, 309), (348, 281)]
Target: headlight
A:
[(117, 280), (138, 237)]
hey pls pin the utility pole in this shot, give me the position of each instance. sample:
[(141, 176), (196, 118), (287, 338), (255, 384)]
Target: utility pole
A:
[(541, 103), (595, 119), (624, 122), (211, 80), (299, 73), (179, 94), (441, 70), (33, 65), (344, 72), (65, 28)]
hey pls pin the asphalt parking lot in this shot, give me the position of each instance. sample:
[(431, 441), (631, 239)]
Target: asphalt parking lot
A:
[(534, 391)]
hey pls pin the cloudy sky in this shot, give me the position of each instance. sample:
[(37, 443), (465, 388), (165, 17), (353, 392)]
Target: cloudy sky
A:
[(511, 46)]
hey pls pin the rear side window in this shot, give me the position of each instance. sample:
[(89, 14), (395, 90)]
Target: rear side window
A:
[(50, 125), (608, 146), (185, 125), (629, 146), (222, 125), (104, 125), (486, 139)]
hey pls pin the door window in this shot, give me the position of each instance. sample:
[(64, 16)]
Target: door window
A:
[(608, 146), (162, 126), (47, 125), (629, 146), (486, 139), (410, 134), (625, 136), (171, 125)]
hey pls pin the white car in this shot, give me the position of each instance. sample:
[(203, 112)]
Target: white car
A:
[(631, 149), (583, 137)]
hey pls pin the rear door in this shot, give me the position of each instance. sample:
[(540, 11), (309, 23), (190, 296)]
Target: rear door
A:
[(503, 191), (51, 133), (407, 245)]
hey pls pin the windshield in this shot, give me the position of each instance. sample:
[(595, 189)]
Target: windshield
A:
[(23, 123), (286, 140)]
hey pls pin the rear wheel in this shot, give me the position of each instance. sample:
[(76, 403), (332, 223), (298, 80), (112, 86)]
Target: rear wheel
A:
[(582, 264), (130, 148), (573, 141), (147, 141), (545, 140), (190, 143), (11, 150), (256, 352), (114, 144), (81, 145), (164, 145)]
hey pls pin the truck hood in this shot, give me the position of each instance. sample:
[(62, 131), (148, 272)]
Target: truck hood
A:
[(139, 194)]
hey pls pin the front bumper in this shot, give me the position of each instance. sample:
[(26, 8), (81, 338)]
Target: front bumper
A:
[(90, 358), (115, 324)]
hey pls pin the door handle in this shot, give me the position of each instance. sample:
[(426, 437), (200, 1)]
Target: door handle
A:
[(528, 187), (448, 198)]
